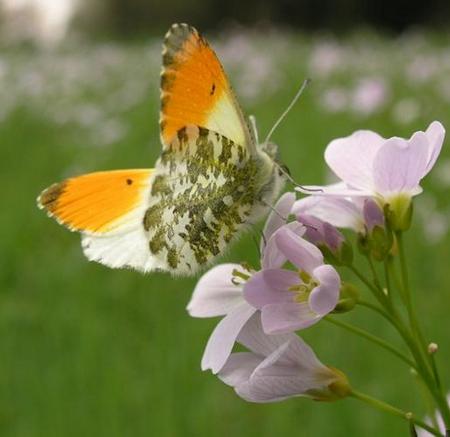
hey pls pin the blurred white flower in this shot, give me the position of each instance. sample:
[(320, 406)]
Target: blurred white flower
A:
[(326, 58), (422, 68), (43, 21), (369, 95), (441, 173), (435, 223), (439, 421), (406, 111), (334, 100)]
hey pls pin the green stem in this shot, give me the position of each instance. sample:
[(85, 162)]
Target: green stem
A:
[(392, 273), (422, 365), (373, 338), (383, 406), (419, 338), (379, 295), (376, 281), (387, 281), (375, 308)]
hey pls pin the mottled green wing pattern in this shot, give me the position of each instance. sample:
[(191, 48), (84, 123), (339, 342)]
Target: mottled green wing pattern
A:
[(204, 190)]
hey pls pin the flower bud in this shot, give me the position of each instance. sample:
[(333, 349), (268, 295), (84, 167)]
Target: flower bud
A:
[(328, 239), (348, 298), (373, 215), (432, 348), (378, 239), (398, 212)]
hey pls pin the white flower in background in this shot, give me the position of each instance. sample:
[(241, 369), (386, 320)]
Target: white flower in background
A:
[(326, 58), (406, 111), (422, 68), (369, 95), (438, 419), (334, 99), (44, 21)]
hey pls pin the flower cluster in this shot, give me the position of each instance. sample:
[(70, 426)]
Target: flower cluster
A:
[(298, 283), (261, 311)]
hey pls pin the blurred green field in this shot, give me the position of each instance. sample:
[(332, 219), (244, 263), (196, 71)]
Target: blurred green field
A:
[(89, 351)]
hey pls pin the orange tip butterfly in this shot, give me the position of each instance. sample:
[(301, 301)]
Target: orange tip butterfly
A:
[(211, 180)]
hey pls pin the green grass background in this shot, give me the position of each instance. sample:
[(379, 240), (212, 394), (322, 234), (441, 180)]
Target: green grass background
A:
[(89, 351)]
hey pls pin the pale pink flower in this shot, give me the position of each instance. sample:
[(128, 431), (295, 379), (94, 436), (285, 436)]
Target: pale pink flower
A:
[(278, 367), (290, 300), (388, 170), (341, 212)]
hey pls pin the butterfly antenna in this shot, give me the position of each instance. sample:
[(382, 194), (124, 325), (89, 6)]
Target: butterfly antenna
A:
[(286, 112), (277, 123)]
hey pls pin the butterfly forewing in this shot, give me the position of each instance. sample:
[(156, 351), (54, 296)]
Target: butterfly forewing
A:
[(196, 91)]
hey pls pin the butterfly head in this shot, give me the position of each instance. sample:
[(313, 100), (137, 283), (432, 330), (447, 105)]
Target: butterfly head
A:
[(271, 149)]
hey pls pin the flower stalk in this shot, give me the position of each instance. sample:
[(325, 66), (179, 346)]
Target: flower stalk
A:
[(390, 409), (372, 338)]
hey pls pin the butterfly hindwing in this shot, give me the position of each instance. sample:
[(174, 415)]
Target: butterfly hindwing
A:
[(107, 207), (206, 188), (196, 91)]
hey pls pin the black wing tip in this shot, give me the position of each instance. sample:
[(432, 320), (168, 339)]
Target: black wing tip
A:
[(181, 31), (48, 198)]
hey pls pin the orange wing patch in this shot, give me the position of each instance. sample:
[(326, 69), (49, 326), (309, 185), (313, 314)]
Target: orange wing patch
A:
[(195, 89), (98, 202)]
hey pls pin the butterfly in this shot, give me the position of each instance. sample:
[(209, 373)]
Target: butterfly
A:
[(211, 180)]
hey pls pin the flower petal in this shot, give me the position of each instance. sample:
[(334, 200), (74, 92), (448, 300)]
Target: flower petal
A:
[(280, 366), (279, 376), (400, 164), (270, 286), (351, 158), (324, 297), (272, 257), (239, 367), (435, 135), (339, 212), (253, 338), (215, 294), (277, 218), (222, 339), (303, 254), (287, 317)]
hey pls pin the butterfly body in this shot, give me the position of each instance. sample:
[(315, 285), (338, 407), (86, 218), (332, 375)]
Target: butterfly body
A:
[(211, 181)]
